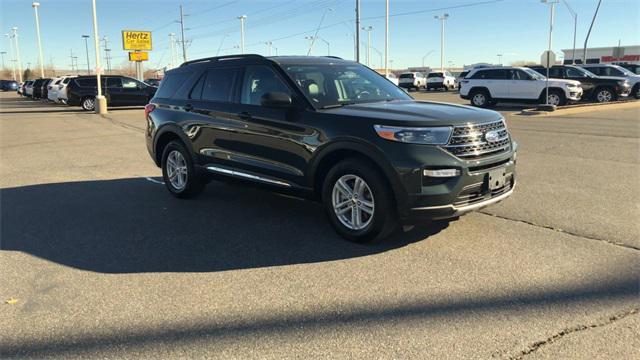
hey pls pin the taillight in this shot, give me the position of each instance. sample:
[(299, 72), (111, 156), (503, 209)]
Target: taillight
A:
[(148, 109)]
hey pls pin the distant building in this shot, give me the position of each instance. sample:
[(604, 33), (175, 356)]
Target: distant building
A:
[(605, 55)]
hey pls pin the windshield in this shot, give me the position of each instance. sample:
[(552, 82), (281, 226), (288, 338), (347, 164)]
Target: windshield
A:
[(534, 74), (406, 76), (333, 85)]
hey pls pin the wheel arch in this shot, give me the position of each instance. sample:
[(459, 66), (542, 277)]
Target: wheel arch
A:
[(479, 88), (336, 152), (164, 136)]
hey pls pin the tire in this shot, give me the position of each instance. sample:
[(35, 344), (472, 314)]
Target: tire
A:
[(446, 88), (88, 103), (556, 97), (604, 95), (186, 183), (480, 98), (372, 223)]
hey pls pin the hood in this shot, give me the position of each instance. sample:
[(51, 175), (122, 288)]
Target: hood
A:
[(561, 82), (417, 113)]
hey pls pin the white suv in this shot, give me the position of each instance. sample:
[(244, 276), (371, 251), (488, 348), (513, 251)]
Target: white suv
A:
[(412, 80), (439, 80), (488, 86), (62, 89)]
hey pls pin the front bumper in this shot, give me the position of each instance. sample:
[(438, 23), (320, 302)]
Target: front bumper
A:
[(575, 94), (421, 198)]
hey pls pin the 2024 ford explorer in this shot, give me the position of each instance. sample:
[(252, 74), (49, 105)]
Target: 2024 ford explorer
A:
[(332, 130)]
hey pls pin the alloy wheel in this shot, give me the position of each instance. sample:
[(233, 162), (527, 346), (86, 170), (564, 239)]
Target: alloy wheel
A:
[(177, 170), (479, 99), (88, 104), (554, 99), (604, 96), (353, 202)]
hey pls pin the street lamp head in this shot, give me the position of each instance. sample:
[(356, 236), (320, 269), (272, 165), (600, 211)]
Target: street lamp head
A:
[(15, 28), (35, 4), (85, 36), (446, 16), (242, 17)]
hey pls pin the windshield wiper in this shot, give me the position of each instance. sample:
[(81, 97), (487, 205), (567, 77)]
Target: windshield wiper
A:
[(333, 106)]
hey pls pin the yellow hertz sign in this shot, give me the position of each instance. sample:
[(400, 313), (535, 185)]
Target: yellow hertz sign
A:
[(136, 40), (139, 56)]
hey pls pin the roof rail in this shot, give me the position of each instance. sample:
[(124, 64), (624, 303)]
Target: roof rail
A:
[(225, 57)]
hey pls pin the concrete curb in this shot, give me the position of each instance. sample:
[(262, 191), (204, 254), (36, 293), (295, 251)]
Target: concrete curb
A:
[(580, 108)]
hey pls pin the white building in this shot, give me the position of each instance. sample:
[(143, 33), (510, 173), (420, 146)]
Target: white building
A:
[(605, 55)]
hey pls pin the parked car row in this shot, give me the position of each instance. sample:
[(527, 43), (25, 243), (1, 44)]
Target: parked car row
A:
[(82, 90), (487, 86), (9, 85)]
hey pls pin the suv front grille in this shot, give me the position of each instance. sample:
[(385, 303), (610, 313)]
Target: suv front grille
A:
[(469, 141)]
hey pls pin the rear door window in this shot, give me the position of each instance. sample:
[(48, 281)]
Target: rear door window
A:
[(219, 84), (114, 83)]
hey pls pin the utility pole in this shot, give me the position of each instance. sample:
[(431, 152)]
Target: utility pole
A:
[(2, 54), (442, 19), (107, 53), (71, 56), (357, 30), (17, 48), (242, 18), (310, 39), (221, 42), (184, 46), (386, 40), (368, 30), (315, 35), (328, 45), (499, 59), (425, 56), (86, 47), (584, 53), (35, 6)]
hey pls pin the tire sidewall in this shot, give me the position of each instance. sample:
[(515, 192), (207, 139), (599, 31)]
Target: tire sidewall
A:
[(601, 90), (82, 104), (384, 212), (193, 184), (486, 98)]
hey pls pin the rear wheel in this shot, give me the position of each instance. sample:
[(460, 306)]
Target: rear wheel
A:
[(178, 171), (358, 202), (480, 98)]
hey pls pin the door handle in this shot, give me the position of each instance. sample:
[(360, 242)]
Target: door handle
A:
[(244, 115), (188, 107)]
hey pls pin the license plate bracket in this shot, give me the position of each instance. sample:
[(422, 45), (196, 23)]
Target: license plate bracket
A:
[(497, 178)]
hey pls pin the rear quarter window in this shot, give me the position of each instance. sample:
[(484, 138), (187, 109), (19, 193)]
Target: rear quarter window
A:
[(171, 83)]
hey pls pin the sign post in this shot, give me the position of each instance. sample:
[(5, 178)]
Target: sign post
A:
[(547, 59), (138, 42)]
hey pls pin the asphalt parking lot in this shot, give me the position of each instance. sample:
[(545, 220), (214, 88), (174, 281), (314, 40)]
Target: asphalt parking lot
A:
[(97, 259)]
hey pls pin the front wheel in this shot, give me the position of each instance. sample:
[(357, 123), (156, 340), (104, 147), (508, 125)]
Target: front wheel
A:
[(555, 98), (88, 104), (358, 202), (480, 98)]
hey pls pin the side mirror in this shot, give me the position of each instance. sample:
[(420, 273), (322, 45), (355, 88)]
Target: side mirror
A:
[(275, 99)]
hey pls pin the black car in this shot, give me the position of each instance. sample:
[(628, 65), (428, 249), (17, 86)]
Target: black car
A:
[(45, 89), (328, 129), (37, 88), (119, 91), (9, 85), (634, 68), (153, 82), (595, 88)]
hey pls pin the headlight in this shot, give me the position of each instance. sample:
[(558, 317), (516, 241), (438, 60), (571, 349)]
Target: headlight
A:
[(623, 83), (415, 135), (572, 85)]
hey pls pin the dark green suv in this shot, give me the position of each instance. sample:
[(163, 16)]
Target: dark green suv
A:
[(332, 130)]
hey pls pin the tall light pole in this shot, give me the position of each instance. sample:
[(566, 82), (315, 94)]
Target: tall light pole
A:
[(499, 59), (12, 60), (575, 29), (310, 39), (328, 45), (35, 6), (86, 47), (17, 48), (553, 10), (172, 48), (368, 30), (442, 18), (386, 38), (242, 18), (586, 39), (269, 44), (101, 101), (425, 56), (107, 54), (379, 54), (2, 55)]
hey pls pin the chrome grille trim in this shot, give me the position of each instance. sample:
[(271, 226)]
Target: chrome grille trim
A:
[(468, 141)]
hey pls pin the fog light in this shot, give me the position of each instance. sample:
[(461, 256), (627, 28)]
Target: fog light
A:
[(441, 173)]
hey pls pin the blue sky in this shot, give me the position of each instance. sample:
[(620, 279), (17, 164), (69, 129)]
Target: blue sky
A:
[(476, 31)]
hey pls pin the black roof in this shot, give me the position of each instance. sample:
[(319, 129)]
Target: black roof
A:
[(255, 58)]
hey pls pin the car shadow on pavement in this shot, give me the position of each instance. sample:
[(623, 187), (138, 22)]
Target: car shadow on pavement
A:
[(134, 225)]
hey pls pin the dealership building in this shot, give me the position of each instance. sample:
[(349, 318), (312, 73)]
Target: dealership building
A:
[(605, 55)]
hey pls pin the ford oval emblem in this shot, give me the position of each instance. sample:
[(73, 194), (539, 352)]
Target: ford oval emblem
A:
[(492, 136)]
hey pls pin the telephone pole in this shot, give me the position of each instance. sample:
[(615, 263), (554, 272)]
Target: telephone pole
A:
[(86, 48), (184, 44), (357, 30), (172, 47)]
